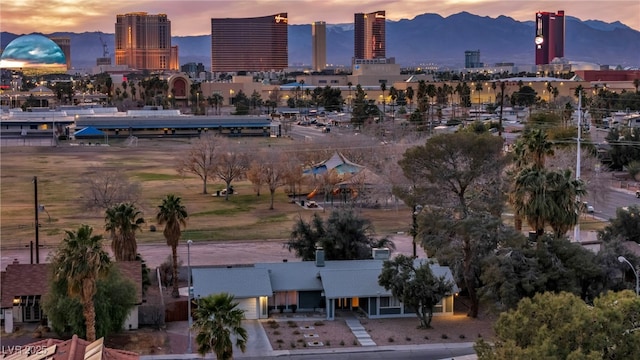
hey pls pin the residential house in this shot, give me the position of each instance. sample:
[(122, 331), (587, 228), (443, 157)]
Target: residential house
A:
[(24, 286), (324, 286)]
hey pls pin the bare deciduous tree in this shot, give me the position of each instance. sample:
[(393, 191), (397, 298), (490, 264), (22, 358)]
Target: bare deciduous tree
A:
[(254, 175), (274, 171), (106, 187), (591, 171), (231, 164), (294, 175), (200, 160)]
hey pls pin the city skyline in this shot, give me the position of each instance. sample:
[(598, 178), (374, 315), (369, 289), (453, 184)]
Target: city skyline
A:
[(193, 17)]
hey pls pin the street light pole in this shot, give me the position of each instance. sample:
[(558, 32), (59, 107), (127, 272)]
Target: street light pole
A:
[(623, 259), (414, 229), (189, 242)]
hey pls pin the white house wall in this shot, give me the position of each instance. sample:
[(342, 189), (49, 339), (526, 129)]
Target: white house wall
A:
[(131, 323)]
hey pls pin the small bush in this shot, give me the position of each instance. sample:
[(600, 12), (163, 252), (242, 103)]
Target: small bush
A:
[(300, 340), (462, 336), (355, 342), (391, 339), (276, 332), (444, 336), (480, 335), (328, 343), (407, 338), (292, 324), (318, 323), (342, 342), (273, 324), (296, 332), (293, 345), (426, 337), (279, 341)]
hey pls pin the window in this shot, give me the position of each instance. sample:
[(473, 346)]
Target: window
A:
[(389, 302)]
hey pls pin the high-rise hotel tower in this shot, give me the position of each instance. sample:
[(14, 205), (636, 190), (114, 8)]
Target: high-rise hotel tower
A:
[(319, 45), (249, 44), (369, 35), (549, 40), (143, 42)]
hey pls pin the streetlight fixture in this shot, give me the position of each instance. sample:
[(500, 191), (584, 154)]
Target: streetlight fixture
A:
[(623, 259), (189, 242), (41, 208), (417, 209)]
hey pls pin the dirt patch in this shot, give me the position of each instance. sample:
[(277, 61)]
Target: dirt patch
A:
[(444, 329), (144, 341), (288, 334), (304, 334)]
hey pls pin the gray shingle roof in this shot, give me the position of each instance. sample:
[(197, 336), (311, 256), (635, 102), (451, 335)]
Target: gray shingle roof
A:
[(338, 279), (245, 282)]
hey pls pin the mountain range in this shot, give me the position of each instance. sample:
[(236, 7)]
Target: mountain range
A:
[(425, 39)]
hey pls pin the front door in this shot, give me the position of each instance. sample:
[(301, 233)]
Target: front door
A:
[(343, 304)]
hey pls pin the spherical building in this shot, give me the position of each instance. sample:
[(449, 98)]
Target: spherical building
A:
[(33, 53)]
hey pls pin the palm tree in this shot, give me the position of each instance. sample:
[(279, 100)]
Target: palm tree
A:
[(349, 85), (216, 318), (383, 87), (122, 221), (536, 148), (410, 95), (393, 94), (174, 215), (566, 209), (80, 261)]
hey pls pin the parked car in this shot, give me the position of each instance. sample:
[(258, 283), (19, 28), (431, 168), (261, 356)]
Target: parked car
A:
[(588, 208), (638, 194), (312, 204)]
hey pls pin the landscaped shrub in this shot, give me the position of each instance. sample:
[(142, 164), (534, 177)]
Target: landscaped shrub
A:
[(273, 324)]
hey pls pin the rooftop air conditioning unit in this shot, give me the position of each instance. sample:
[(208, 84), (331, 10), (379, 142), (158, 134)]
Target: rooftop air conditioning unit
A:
[(380, 253)]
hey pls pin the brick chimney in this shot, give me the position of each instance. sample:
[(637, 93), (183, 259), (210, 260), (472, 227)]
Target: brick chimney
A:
[(319, 257)]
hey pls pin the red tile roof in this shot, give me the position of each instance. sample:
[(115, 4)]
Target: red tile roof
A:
[(72, 349)]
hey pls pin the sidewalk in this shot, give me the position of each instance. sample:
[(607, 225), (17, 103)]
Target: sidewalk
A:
[(259, 346)]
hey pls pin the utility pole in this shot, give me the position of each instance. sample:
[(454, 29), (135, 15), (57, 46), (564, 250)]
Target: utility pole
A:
[(576, 228), (35, 191)]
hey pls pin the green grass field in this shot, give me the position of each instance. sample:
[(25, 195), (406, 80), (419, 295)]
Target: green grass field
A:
[(62, 173)]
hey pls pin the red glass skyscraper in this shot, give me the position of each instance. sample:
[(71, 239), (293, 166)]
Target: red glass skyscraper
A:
[(249, 44), (369, 35), (549, 38)]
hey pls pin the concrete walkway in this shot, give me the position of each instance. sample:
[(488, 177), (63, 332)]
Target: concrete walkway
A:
[(359, 331)]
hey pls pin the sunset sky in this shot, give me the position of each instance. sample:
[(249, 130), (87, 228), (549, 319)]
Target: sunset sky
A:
[(193, 17)]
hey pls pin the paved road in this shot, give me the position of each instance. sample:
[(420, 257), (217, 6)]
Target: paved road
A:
[(606, 208), (210, 253)]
